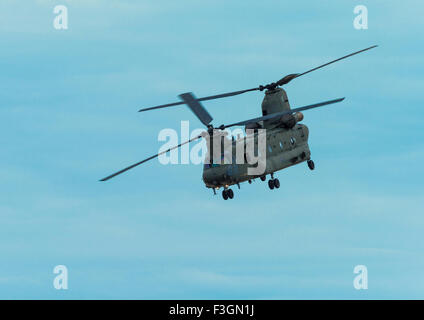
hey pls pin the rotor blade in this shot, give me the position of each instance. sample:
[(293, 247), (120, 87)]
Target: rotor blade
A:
[(217, 96), (195, 106), (150, 158), (280, 114), (280, 82), (290, 77), (162, 106)]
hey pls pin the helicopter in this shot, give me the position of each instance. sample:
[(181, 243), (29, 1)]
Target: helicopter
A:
[(285, 139)]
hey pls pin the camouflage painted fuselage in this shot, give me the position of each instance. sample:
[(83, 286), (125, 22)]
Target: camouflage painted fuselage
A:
[(284, 148), (286, 145)]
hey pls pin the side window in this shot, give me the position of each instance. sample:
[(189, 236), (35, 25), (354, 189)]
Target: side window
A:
[(281, 145)]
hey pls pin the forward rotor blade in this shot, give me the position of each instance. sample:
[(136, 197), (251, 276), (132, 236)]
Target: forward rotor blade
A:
[(150, 158), (195, 106), (217, 96), (162, 106), (290, 77), (280, 114)]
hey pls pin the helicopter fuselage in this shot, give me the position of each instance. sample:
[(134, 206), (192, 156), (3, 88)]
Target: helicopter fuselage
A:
[(284, 148), (286, 145)]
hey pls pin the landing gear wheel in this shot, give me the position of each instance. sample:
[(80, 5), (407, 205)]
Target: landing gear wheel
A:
[(311, 164), (276, 183), (230, 193), (263, 178), (225, 194), (271, 184)]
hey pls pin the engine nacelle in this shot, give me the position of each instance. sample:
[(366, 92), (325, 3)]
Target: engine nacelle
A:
[(288, 121), (298, 116)]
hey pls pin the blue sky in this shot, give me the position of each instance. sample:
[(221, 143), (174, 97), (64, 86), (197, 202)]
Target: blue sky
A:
[(68, 117)]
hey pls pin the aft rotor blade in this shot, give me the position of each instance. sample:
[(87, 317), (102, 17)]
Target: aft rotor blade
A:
[(270, 86), (150, 158), (217, 96), (195, 106), (280, 114), (288, 78)]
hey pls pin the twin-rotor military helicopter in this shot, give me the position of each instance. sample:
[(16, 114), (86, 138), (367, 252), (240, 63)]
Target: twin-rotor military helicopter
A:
[(286, 138)]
